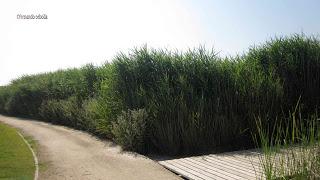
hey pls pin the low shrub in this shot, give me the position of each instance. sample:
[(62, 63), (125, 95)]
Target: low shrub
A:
[(130, 129), (24, 100), (65, 112), (94, 118)]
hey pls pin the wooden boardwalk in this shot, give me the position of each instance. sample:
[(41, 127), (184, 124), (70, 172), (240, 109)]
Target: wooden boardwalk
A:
[(232, 165)]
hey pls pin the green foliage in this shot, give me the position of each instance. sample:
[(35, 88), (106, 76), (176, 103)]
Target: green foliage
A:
[(64, 112), (192, 98), (130, 129), (94, 118), (295, 61), (24, 97), (4, 95), (58, 97), (196, 101)]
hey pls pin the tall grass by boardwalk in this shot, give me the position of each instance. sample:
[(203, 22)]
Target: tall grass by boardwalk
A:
[(176, 102), (291, 150)]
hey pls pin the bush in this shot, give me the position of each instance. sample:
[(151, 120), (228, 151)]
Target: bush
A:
[(62, 111), (130, 129), (3, 98), (24, 100), (94, 118)]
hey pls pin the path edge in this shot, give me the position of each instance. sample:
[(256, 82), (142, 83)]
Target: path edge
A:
[(36, 162)]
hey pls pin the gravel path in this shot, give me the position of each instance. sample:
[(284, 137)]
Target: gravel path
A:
[(65, 153)]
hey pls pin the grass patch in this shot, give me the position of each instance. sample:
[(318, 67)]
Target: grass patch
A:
[(291, 149), (16, 160)]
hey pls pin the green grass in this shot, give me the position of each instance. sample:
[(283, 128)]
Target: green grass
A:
[(291, 149), (16, 160)]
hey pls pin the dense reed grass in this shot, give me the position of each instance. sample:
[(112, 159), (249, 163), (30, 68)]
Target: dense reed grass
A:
[(190, 102)]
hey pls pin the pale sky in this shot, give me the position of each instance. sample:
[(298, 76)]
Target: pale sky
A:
[(93, 31)]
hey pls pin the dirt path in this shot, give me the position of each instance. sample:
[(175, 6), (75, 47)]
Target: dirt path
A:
[(65, 153)]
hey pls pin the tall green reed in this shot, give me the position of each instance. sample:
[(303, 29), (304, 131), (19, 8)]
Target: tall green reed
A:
[(291, 148), (195, 101)]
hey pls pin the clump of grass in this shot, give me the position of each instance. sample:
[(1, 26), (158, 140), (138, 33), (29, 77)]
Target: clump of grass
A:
[(291, 148), (130, 129)]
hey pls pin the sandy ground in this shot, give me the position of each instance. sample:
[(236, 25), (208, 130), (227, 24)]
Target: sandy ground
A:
[(65, 153)]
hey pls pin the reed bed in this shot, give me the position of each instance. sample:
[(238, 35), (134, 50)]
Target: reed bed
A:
[(176, 102)]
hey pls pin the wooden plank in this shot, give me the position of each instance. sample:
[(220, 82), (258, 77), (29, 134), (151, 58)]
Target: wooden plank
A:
[(229, 165), (216, 169), (256, 168), (252, 160), (232, 165), (204, 170), (244, 163), (253, 155), (235, 169), (222, 168), (245, 153), (188, 169), (179, 171), (241, 159)]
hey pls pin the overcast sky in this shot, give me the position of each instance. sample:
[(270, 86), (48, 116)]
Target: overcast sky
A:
[(83, 31)]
